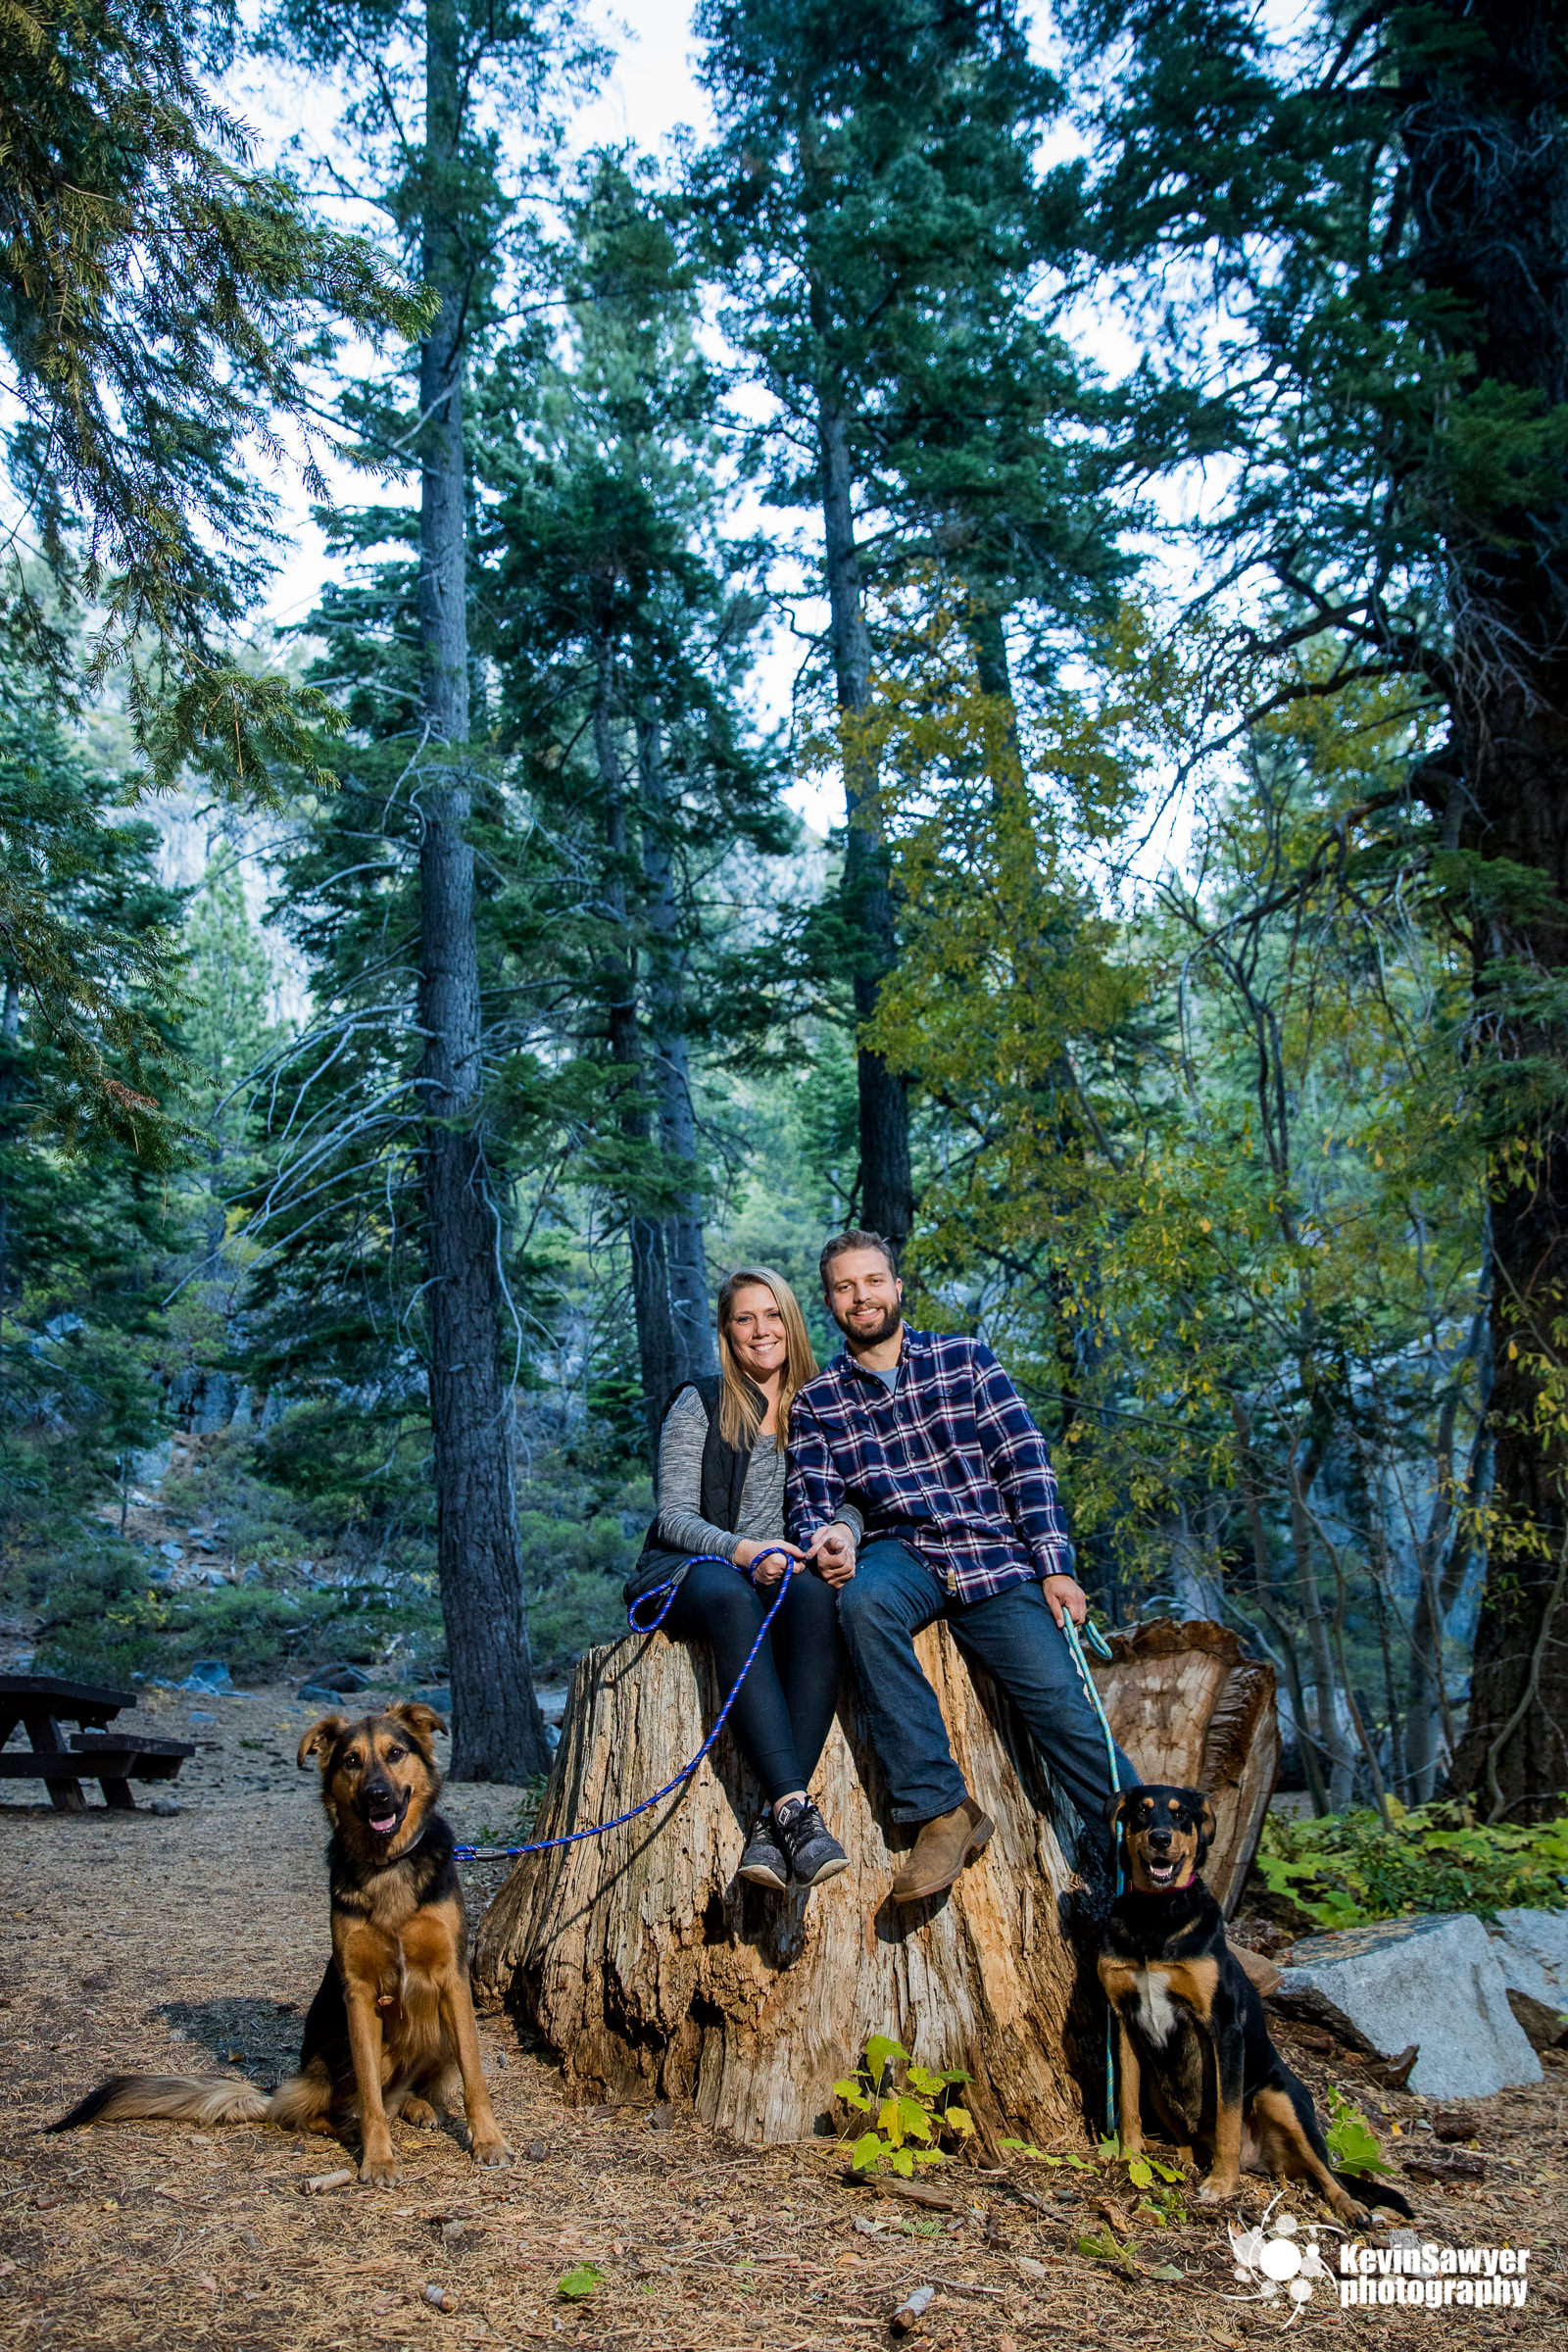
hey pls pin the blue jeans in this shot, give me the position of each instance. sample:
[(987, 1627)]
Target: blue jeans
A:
[(890, 1597)]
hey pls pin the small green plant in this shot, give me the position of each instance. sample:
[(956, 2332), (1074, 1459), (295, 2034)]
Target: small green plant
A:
[(910, 2119), (1347, 1869), (1105, 2246), (579, 2283), (1033, 2155), (1160, 2179), (1352, 2144)]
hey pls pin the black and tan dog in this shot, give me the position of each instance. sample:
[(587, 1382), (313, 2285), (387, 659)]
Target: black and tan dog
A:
[(391, 2029), (1193, 2043)]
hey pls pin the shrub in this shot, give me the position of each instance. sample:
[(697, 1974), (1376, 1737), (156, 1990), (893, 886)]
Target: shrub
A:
[(908, 2121), (1347, 1868)]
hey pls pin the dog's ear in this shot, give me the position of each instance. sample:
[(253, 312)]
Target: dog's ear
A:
[(1207, 1821), (423, 1721), (321, 1738), (1116, 1805)]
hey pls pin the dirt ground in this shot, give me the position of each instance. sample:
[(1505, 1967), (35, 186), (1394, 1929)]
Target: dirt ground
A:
[(193, 1940)]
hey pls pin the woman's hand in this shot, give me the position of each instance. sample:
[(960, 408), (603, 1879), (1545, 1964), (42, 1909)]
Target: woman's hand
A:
[(764, 1570)]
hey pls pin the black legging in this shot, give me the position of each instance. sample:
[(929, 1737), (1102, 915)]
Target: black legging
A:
[(786, 1702)]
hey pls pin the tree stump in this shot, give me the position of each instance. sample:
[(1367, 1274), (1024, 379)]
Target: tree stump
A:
[(1191, 1710), (654, 1971)]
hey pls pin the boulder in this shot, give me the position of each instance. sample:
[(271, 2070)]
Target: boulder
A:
[(1434, 1981), (346, 1679), (211, 1675), (1531, 1950)]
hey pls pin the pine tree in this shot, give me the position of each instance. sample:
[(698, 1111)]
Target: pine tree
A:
[(875, 169), (1363, 221), (160, 305), (622, 630), (424, 82), (92, 1108)]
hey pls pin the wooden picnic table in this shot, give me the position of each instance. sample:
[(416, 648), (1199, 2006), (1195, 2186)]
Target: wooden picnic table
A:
[(97, 1751)]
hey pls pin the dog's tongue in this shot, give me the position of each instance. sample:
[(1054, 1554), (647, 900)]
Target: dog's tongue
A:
[(383, 1824)]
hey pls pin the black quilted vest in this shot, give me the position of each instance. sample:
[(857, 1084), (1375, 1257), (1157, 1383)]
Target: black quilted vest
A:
[(724, 1469)]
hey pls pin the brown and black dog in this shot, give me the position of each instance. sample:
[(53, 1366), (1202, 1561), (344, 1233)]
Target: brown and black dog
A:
[(391, 2029), (1192, 2037)]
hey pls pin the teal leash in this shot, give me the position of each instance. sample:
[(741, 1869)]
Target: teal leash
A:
[(1103, 1649)]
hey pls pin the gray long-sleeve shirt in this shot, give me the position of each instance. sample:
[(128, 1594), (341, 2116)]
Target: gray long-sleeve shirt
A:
[(681, 1523)]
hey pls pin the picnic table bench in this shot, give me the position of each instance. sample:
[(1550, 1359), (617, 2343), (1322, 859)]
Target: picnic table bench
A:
[(98, 1750)]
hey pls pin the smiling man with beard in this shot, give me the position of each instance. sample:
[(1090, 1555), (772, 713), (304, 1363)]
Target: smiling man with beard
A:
[(925, 1435)]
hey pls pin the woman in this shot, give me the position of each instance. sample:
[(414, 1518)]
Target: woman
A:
[(722, 1459)]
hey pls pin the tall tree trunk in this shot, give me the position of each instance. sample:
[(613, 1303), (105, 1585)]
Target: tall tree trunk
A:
[(497, 1731), (1484, 131), (1301, 1468), (645, 1230), (10, 1030), (685, 1256), (887, 1189), (1427, 1707)]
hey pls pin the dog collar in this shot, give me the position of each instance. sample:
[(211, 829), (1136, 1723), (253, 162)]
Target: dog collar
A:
[(393, 1859)]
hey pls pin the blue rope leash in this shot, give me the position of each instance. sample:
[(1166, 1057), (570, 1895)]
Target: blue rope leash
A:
[(666, 1593), (1103, 1649)]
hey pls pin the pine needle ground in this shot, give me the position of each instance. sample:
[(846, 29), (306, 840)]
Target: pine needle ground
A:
[(144, 2236)]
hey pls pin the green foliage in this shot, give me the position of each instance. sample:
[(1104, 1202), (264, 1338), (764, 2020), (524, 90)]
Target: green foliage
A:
[(579, 2284), (1033, 2155), (89, 959), (1347, 1868), (106, 1622), (1103, 2245), (912, 2110), (160, 305), (1350, 2140)]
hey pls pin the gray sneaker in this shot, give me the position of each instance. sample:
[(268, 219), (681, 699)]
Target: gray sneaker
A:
[(764, 1861), (813, 1854)]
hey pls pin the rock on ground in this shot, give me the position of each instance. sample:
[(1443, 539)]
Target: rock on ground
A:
[(1434, 1981), (1531, 1950)]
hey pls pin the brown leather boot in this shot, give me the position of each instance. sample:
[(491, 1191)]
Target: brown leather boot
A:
[(943, 1847)]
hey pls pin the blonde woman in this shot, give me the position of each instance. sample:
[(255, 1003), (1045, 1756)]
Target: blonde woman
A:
[(721, 1462)]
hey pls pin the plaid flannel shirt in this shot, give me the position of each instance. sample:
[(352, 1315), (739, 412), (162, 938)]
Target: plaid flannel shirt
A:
[(948, 1462)]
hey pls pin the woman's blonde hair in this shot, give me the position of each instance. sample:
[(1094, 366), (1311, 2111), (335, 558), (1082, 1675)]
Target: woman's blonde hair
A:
[(741, 1407)]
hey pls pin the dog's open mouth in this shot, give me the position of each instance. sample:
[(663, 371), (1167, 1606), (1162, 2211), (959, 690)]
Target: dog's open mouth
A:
[(1161, 1874), (383, 1817)]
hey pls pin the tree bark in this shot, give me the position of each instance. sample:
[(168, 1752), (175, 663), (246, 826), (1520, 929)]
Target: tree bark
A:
[(887, 1186), (653, 1969), (1192, 1711), (645, 1232), (685, 1258), (497, 1731), (1330, 1740), (10, 1031), (1484, 132)]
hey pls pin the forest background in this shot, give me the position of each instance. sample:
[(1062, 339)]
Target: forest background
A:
[(1117, 459)]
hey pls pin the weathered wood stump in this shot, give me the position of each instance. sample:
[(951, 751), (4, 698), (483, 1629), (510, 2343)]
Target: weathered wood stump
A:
[(1191, 1710), (652, 1971)]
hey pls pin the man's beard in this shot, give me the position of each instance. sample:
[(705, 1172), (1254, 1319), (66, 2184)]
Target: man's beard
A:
[(879, 1331)]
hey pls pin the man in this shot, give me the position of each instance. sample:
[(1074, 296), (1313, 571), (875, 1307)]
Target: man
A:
[(930, 1441)]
